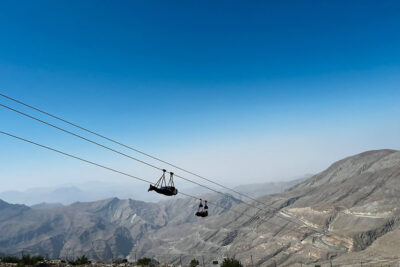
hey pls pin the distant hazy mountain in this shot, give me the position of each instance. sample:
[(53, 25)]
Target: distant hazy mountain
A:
[(45, 206), (262, 189), (87, 192), (65, 195), (347, 212), (93, 191)]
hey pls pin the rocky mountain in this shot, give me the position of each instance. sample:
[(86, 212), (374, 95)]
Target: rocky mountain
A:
[(103, 230), (8, 211), (45, 206), (347, 212)]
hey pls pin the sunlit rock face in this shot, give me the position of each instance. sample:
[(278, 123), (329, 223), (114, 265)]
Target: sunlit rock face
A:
[(348, 211)]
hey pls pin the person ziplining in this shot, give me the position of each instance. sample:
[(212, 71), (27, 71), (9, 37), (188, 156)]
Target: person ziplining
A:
[(162, 187), (202, 211), (168, 190)]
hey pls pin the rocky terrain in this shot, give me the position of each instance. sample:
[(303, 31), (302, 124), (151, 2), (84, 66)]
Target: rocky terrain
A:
[(103, 230), (346, 213)]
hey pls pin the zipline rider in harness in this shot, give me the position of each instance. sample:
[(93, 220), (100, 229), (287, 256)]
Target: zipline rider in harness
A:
[(202, 212), (163, 188)]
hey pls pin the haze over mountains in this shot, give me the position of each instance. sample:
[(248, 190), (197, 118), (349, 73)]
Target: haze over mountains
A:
[(346, 212), (94, 191)]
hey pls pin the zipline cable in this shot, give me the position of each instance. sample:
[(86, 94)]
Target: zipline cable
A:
[(121, 153), (141, 179), (79, 136), (75, 157), (146, 163), (131, 148)]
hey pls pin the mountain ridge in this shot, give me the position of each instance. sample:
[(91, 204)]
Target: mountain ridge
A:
[(93, 191), (339, 212)]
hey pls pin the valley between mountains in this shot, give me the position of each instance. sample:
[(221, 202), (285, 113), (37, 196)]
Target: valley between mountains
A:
[(345, 213)]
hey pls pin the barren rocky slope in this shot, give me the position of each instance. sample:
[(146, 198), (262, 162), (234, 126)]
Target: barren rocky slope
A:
[(347, 211), (103, 230), (340, 212)]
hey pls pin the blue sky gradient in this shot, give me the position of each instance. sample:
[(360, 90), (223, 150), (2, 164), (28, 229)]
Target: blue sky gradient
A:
[(239, 91)]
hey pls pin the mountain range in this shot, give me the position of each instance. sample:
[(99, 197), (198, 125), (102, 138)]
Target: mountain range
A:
[(94, 191), (345, 213)]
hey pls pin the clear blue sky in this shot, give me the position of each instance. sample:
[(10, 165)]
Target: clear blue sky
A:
[(243, 91)]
